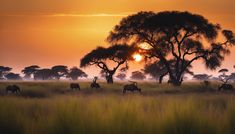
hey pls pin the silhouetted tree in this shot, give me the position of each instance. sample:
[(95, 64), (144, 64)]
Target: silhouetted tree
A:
[(201, 76), (59, 71), (158, 71), (75, 72), (223, 76), (29, 71), (181, 36), (138, 75), (13, 76), (4, 71), (118, 54), (44, 74), (121, 76), (232, 76)]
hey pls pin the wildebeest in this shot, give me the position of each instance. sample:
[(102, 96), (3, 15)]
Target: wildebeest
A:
[(95, 85), (131, 87), (13, 89), (227, 87), (75, 86)]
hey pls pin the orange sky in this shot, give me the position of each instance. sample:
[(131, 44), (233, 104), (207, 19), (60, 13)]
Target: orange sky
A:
[(51, 32)]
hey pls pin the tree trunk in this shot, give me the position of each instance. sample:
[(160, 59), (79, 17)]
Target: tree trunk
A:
[(175, 81), (109, 79), (161, 77)]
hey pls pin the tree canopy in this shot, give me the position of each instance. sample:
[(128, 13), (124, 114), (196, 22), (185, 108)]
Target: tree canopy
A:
[(59, 71), (223, 76), (121, 76), (75, 72), (4, 71), (137, 75), (174, 35), (28, 71), (13, 76), (117, 54), (43, 74), (202, 76)]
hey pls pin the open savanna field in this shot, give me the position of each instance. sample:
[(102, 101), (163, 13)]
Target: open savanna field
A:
[(52, 108)]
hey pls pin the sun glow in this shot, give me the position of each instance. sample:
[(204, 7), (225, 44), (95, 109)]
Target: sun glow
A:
[(137, 57)]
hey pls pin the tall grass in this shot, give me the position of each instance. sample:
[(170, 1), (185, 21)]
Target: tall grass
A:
[(52, 108), (115, 114)]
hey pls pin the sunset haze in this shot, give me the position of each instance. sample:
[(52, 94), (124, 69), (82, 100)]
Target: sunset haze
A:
[(57, 32)]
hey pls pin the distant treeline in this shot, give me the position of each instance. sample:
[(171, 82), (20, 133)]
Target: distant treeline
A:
[(35, 72)]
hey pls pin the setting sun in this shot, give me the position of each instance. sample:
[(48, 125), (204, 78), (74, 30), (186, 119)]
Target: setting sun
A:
[(137, 57)]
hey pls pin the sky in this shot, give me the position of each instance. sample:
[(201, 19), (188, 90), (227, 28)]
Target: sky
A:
[(55, 32)]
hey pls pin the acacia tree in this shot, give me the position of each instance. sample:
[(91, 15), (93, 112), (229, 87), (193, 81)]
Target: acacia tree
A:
[(202, 76), (115, 56), (121, 76), (59, 71), (13, 76), (178, 36), (223, 76), (137, 75), (4, 71), (232, 76), (75, 72), (43, 74), (28, 71)]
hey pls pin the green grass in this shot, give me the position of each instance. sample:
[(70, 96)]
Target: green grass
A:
[(50, 108)]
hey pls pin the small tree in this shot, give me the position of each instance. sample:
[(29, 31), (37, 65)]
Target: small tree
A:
[(4, 71), (75, 72), (121, 76), (115, 55), (13, 76), (59, 71), (29, 71), (138, 75), (44, 74), (179, 36), (223, 76), (201, 76), (232, 76)]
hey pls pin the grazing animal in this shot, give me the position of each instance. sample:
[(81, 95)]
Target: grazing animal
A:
[(13, 89), (227, 87), (94, 84), (131, 87), (75, 86)]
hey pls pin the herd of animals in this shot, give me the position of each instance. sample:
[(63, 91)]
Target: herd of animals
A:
[(128, 87), (75, 86)]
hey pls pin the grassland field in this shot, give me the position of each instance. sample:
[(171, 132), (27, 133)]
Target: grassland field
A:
[(52, 108)]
